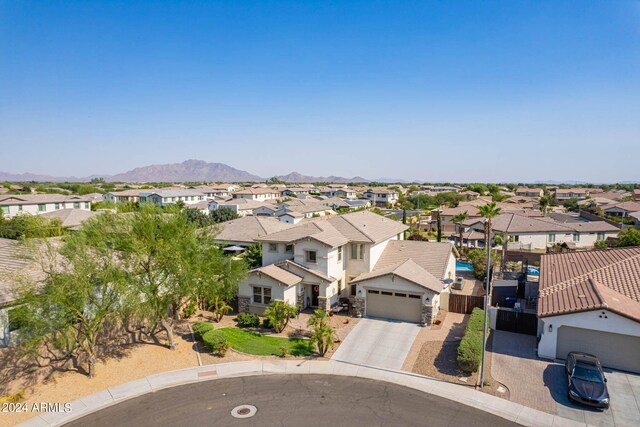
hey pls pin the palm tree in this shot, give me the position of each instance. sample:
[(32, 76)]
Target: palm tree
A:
[(220, 308), (503, 240), (322, 334), (488, 212), (544, 203), (458, 220)]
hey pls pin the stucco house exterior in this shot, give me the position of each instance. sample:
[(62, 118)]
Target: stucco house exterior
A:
[(538, 234), (257, 194), (317, 261), (36, 204), (590, 302), (171, 197), (381, 196), (529, 192), (124, 196)]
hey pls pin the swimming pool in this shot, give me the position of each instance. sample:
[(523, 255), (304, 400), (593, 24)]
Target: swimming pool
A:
[(463, 266), (533, 271)]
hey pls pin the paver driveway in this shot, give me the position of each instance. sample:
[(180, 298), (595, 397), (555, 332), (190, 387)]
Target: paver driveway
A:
[(377, 342), (542, 384)]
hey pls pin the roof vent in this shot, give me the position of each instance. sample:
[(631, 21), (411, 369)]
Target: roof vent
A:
[(582, 296)]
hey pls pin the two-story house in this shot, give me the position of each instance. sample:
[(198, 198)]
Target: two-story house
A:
[(381, 196), (124, 196), (257, 194), (171, 197), (318, 261), (529, 192), (537, 234), (36, 204)]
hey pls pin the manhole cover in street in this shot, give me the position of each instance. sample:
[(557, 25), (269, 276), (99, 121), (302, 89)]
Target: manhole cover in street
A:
[(244, 411)]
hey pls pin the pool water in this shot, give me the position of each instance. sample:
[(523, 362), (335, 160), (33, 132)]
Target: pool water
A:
[(463, 266), (533, 271)]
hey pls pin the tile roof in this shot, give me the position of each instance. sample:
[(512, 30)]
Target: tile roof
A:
[(278, 274), (70, 217), (18, 262), (431, 256), (627, 206), (581, 281), (32, 199), (172, 193), (408, 270), (337, 230), (249, 228)]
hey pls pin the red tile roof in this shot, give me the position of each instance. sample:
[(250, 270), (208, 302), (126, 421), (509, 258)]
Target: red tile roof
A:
[(592, 280)]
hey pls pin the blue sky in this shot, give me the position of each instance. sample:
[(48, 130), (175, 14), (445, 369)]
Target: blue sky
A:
[(430, 90)]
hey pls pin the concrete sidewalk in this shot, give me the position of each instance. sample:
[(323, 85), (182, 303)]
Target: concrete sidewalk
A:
[(463, 395)]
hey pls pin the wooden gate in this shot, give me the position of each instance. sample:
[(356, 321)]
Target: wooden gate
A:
[(464, 303), (516, 321)]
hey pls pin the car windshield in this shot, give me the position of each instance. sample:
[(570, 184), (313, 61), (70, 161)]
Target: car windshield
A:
[(587, 373)]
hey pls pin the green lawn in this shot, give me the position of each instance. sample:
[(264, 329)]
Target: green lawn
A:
[(261, 345)]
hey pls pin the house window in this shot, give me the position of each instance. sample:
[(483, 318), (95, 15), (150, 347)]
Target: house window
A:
[(339, 253), (42, 207), (600, 236), (339, 287), (86, 205), (288, 249), (514, 238), (261, 295), (76, 205), (551, 238), (16, 318), (19, 208), (57, 206), (353, 287), (311, 256), (357, 251), (4, 210), (576, 237), (273, 247)]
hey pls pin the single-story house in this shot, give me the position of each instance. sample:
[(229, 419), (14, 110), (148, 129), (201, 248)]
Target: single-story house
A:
[(590, 302)]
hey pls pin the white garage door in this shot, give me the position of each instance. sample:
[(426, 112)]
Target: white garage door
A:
[(394, 305), (614, 351)]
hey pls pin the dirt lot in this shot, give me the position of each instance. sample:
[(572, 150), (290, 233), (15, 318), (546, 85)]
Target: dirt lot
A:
[(135, 361)]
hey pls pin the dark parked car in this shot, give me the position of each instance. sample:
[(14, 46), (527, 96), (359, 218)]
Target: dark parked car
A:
[(587, 384)]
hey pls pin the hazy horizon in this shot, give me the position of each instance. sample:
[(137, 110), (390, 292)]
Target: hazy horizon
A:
[(467, 91)]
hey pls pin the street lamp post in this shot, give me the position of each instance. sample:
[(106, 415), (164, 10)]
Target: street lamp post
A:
[(486, 302)]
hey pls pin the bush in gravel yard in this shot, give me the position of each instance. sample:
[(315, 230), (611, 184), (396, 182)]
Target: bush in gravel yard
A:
[(248, 320), (470, 348), (266, 323), (216, 342), (201, 328)]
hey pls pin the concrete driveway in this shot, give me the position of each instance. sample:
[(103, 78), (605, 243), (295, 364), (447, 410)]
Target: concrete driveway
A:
[(542, 384), (377, 342)]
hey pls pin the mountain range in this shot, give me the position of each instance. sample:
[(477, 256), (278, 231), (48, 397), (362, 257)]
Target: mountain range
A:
[(187, 171), (201, 171)]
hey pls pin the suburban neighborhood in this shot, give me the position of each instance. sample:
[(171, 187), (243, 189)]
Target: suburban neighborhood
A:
[(393, 286), (320, 213)]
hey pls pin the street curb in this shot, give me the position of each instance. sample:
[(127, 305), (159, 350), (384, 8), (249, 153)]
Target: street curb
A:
[(503, 408)]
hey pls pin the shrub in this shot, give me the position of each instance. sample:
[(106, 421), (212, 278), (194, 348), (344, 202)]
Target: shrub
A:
[(266, 323), (248, 320), (201, 328), (284, 351), (470, 348), (216, 342), (279, 313), (190, 309)]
